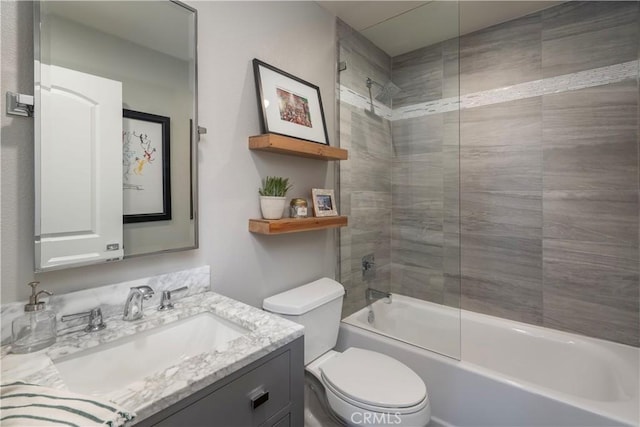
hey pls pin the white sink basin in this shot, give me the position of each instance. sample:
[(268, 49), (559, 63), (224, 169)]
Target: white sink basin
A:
[(110, 367)]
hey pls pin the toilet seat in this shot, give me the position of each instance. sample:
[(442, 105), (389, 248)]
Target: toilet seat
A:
[(374, 381)]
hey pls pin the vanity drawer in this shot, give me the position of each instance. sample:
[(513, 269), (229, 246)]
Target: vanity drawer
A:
[(247, 401), (284, 421)]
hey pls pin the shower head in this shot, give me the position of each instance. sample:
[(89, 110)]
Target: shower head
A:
[(387, 91)]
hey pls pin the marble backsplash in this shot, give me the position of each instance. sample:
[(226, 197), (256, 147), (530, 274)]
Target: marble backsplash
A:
[(109, 298)]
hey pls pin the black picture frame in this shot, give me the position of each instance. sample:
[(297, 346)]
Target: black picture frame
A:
[(163, 131), (289, 105)]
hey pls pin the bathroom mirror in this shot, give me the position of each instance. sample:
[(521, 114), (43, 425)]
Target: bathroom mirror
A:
[(115, 130)]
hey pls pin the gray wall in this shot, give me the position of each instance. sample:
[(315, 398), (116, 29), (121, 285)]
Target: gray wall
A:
[(365, 178), (425, 232), (298, 37), (548, 184)]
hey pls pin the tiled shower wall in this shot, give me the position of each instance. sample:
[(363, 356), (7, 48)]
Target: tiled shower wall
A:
[(548, 171), (365, 179), (549, 183), (425, 236)]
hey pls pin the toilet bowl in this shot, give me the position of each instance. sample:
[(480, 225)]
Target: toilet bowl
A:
[(369, 388), (362, 387)]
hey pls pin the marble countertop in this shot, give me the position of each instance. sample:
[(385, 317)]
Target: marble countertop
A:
[(166, 387)]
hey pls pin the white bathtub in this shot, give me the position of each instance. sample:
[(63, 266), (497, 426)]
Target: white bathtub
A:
[(510, 373)]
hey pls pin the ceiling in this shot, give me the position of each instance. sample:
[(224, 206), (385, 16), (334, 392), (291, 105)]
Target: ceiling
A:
[(402, 26), (161, 26)]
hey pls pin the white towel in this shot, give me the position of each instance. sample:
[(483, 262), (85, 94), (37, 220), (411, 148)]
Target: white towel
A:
[(23, 404)]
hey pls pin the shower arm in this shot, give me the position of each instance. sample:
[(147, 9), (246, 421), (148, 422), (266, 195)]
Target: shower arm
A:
[(369, 84)]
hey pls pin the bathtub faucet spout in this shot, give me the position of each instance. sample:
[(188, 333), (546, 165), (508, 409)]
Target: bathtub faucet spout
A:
[(374, 294)]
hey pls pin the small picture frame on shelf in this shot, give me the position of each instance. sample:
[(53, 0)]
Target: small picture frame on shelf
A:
[(288, 105), (324, 202)]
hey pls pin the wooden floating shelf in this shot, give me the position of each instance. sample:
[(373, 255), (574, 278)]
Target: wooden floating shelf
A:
[(295, 225), (296, 147)]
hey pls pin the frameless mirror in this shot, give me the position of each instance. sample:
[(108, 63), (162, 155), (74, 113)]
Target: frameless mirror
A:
[(115, 130)]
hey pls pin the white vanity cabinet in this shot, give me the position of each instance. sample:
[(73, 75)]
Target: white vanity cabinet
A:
[(267, 392)]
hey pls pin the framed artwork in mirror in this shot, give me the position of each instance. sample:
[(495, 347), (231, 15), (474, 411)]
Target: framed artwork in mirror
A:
[(289, 105), (146, 169)]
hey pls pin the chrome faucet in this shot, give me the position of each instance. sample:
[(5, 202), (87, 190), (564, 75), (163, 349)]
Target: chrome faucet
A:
[(95, 319), (373, 294), (166, 303), (134, 305)]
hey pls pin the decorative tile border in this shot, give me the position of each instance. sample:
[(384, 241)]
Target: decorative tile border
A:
[(357, 100), (564, 83)]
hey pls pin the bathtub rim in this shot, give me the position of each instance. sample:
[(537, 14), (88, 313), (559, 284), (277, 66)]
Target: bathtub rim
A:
[(622, 411)]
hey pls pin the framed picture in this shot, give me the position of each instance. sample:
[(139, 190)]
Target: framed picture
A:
[(288, 105), (324, 202), (145, 167)]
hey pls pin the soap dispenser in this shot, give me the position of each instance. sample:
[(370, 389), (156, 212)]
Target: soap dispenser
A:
[(36, 328)]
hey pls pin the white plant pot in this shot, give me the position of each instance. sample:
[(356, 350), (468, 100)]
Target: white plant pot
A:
[(272, 207)]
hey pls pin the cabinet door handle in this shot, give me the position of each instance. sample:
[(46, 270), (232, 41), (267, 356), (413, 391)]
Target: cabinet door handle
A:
[(259, 399)]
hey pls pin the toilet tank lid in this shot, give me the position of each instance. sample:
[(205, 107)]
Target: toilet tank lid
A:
[(304, 298)]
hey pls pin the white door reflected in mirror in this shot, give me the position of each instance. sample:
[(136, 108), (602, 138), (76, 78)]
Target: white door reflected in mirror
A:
[(79, 187)]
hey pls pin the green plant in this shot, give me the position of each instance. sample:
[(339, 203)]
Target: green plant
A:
[(275, 186)]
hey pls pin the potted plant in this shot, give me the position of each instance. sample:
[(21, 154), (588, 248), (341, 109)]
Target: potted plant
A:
[(272, 196)]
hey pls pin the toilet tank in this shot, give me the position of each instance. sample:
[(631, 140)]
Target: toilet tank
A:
[(318, 307)]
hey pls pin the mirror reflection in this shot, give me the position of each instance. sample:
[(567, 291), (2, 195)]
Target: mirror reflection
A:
[(115, 86)]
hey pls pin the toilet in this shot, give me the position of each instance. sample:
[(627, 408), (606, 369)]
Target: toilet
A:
[(363, 387)]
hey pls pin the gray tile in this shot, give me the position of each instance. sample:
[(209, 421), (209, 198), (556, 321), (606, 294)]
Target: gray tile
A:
[(370, 136), (600, 273), (369, 228), (592, 216), (418, 206), (451, 133), (591, 319), (451, 254), (590, 138), (502, 259), (451, 189), (500, 168), (370, 157), (592, 288), (502, 276), (418, 74), (417, 180), (418, 135), (427, 217), (514, 124), (451, 68), (418, 282), (501, 148), (382, 277), (374, 200), (354, 299), (417, 247), (363, 59), (582, 35), (502, 213), (502, 55), (451, 269)]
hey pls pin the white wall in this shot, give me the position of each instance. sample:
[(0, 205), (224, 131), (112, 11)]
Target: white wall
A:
[(298, 37)]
